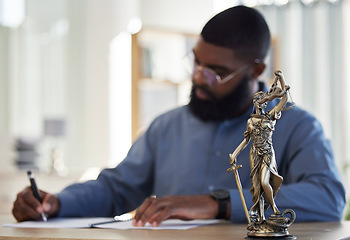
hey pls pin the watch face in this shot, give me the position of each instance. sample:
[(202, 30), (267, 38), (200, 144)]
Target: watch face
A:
[(220, 194)]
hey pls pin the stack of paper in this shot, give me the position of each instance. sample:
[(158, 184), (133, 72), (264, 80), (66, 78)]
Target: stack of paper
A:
[(87, 222)]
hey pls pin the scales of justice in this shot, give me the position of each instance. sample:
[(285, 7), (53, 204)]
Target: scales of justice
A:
[(264, 176)]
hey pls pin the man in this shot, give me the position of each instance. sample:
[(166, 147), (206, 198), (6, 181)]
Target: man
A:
[(183, 156)]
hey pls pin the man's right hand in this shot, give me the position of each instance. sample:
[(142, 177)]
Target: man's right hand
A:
[(27, 207)]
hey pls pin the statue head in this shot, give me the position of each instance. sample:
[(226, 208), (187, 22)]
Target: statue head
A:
[(260, 102)]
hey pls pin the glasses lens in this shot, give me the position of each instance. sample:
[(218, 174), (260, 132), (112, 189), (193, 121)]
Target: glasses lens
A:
[(209, 77)]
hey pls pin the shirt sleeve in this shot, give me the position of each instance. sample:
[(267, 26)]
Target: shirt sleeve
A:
[(311, 185), (116, 190)]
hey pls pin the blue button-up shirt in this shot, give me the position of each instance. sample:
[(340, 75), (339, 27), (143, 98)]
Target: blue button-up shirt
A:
[(181, 155)]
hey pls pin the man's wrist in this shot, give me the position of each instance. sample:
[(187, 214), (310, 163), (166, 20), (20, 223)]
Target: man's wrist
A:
[(223, 199)]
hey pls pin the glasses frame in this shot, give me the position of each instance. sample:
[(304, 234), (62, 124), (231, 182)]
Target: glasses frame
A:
[(194, 68), (199, 68)]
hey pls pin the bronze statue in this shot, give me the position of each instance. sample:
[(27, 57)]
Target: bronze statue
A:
[(264, 176)]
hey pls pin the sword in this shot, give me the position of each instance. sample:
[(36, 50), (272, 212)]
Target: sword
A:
[(234, 169)]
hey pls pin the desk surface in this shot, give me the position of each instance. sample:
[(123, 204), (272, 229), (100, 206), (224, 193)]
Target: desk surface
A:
[(224, 230)]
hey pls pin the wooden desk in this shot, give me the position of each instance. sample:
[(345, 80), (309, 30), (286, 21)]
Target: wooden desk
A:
[(224, 230)]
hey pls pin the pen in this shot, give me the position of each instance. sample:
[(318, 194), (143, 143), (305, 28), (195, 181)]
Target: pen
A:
[(35, 191)]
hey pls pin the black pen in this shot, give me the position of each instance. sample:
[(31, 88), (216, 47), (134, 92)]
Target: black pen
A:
[(35, 191)]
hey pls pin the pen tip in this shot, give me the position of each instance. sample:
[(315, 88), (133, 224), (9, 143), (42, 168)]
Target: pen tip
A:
[(29, 172), (44, 217)]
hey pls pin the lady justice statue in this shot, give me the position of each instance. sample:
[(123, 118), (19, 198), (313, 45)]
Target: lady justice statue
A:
[(264, 176)]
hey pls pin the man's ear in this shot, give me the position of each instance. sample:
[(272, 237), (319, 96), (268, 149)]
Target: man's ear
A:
[(258, 69)]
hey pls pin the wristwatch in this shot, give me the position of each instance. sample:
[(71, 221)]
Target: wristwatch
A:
[(222, 197)]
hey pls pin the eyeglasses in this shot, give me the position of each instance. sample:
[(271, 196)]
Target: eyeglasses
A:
[(211, 77)]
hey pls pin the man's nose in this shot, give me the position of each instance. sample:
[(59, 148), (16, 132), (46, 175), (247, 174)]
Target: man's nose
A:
[(198, 75)]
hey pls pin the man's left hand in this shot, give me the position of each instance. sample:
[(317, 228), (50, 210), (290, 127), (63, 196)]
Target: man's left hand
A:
[(155, 210)]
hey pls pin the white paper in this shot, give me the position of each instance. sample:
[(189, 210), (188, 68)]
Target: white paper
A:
[(86, 222), (174, 224), (59, 223)]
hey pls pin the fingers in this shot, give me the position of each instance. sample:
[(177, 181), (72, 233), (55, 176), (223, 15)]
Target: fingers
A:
[(27, 207), (156, 210), (51, 205), (161, 216), (152, 210)]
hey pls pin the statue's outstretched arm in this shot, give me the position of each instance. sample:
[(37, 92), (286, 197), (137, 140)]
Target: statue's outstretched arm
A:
[(282, 93), (239, 149)]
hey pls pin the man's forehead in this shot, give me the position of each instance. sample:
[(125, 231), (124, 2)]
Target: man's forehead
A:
[(205, 51)]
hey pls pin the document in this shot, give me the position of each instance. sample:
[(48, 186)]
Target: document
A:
[(87, 222), (174, 224), (59, 223)]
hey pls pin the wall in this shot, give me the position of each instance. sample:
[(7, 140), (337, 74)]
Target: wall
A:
[(59, 69), (181, 15)]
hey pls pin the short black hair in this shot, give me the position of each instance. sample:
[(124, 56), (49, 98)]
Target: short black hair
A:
[(241, 29)]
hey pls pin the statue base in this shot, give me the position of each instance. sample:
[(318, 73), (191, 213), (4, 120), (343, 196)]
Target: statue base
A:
[(275, 226)]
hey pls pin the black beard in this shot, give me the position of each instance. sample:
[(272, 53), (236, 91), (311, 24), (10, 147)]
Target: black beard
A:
[(220, 109)]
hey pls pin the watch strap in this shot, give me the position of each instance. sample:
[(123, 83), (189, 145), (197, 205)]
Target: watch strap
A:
[(222, 208), (222, 197)]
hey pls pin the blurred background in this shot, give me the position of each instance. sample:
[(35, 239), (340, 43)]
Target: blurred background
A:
[(80, 80)]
